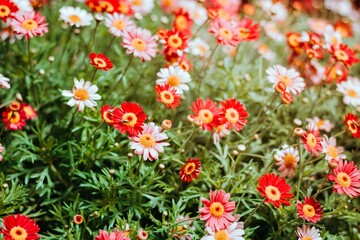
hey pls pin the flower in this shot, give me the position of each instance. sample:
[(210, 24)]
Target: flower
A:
[(175, 77), (351, 91), (205, 113), (180, 231), (344, 54), (294, 83), (129, 118), (149, 142), (217, 211), (247, 30), (14, 117), (352, 125), (167, 95), (310, 210), (118, 24), (83, 94), (233, 114), (225, 32), (182, 21), (20, 227), (274, 189), (1, 150), (29, 24), (311, 140), (219, 132), (142, 234), (235, 231), (174, 42), (337, 73), (114, 235), (330, 149), (75, 16), (286, 160), (320, 124), (7, 9), (346, 178), (29, 111), (142, 6), (78, 219), (191, 169), (100, 61), (307, 233), (198, 47), (141, 43), (107, 113), (4, 81)]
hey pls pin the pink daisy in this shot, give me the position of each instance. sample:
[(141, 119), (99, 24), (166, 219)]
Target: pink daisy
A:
[(294, 83), (149, 142), (113, 235), (312, 141), (286, 160), (225, 32), (141, 43), (118, 24), (307, 233), (29, 24), (331, 150)]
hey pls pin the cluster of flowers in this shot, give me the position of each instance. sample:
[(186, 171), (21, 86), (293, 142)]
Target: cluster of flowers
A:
[(16, 114)]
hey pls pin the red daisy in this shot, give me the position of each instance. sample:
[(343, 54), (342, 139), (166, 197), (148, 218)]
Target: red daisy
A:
[(352, 125), (274, 189), (337, 73), (20, 227), (29, 111), (205, 113), (14, 117), (293, 40), (233, 114), (102, 5), (129, 118), (167, 95), (247, 30), (313, 51), (182, 21), (310, 210), (346, 178), (174, 41), (107, 114), (217, 211), (7, 9), (191, 169), (344, 54), (100, 61), (311, 140)]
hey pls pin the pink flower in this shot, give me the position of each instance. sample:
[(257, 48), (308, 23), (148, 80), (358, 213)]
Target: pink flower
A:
[(312, 141), (225, 32), (114, 235), (141, 43), (29, 24)]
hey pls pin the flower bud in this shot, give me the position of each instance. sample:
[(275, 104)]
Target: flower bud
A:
[(287, 98), (298, 132), (333, 163), (280, 87), (166, 124), (78, 219), (142, 235)]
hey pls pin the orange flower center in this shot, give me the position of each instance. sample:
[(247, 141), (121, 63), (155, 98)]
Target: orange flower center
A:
[(108, 117), (181, 22), (81, 94), (107, 6), (226, 33), (206, 115), (311, 140), (29, 25), (289, 160), (175, 41), (320, 123), (332, 151), (4, 11), (189, 168), (307, 238), (232, 115), (244, 33), (119, 24), (351, 93), (341, 55), (293, 40), (285, 79), (13, 117), (74, 18), (309, 211), (138, 44), (222, 235), (167, 97), (15, 106), (173, 80), (352, 126), (343, 179), (217, 209), (129, 119), (18, 233), (100, 62), (137, 2), (147, 140), (272, 193)]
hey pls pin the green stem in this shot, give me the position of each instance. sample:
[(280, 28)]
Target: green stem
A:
[(93, 74), (93, 132), (339, 133), (300, 171), (65, 47), (201, 26), (320, 188), (253, 212), (262, 107), (203, 69), (188, 139), (92, 43), (29, 56)]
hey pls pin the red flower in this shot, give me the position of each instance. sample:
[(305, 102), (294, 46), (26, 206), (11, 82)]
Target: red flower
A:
[(337, 73), (167, 95), (102, 6), (14, 117), (311, 140), (233, 114), (7, 9), (29, 111), (313, 51), (344, 54), (293, 40), (20, 227), (182, 21), (247, 30), (191, 169), (205, 113), (174, 41), (129, 118), (225, 32), (274, 189), (310, 210), (352, 125), (100, 61), (107, 114), (346, 178)]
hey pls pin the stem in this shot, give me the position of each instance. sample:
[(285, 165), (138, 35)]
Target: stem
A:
[(65, 47), (201, 26), (253, 212), (93, 132), (339, 133), (261, 124), (93, 74), (262, 107), (320, 188), (72, 119), (300, 171), (29, 56), (93, 36), (323, 190), (203, 69), (188, 139)]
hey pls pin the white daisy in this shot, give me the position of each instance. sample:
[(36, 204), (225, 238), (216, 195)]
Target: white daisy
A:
[(307, 233), (220, 132), (118, 24), (331, 150), (199, 47), (75, 16), (233, 232), (331, 37), (23, 5), (175, 77), (266, 52), (320, 124), (4, 81), (83, 94), (196, 11), (351, 91), (272, 30), (294, 83), (142, 6)]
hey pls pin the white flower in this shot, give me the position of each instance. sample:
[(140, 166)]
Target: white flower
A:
[(196, 11), (4, 82), (320, 124), (351, 91), (220, 132), (118, 24), (294, 83), (175, 77), (330, 149), (75, 16), (142, 6), (272, 30), (233, 232), (1, 150), (286, 159), (199, 47), (331, 37), (309, 234), (83, 94), (23, 5)]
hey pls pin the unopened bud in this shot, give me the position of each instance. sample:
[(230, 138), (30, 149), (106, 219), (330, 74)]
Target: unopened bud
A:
[(78, 219), (190, 119), (41, 71), (287, 98), (142, 235), (166, 124), (165, 213), (298, 132), (280, 87), (51, 58), (241, 147), (19, 97), (130, 155), (5, 185), (297, 121), (333, 163), (99, 17), (235, 152), (161, 166), (256, 136), (112, 171)]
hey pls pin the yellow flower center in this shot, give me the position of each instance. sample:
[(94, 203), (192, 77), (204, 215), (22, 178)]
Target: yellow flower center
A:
[(217, 209), (343, 179), (285, 79), (74, 18), (272, 193), (107, 6), (293, 40), (29, 25), (226, 33), (147, 140), (108, 117), (175, 41), (167, 97), (13, 117), (189, 168), (138, 44), (100, 62), (351, 126), (206, 115), (173, 80), (289, 160), (222, 235), (311, 140), (332, 151), (309, 211), (320, 123), (307, 238), (18, 233), (181, 22), (4, 11), (232, 115), (129, 119), (119, 24), (244, 33), (81, 94), (351, 93), (137, 2), (341, 55)]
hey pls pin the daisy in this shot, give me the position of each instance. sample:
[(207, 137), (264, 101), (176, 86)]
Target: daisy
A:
[(75, 16), (205, 113), (310, 210), (181, 229), (100, 61), (331, 150), (167, 95), (346, 178), (142, 234), (196, 10), (129, 118), (141, 43), (337, 73), (351, 91), (294, 83), (191, 169), (293, 41), (247, 30), (101, 5), (311, 140), (320, 124), (272, 30), (118, 24), (307, 233), (4, 81), (217, 211), (7, 9), (29, 111), (83, 94), (182, 21), (175, 77), (174, 42), (149, 143), (235, 231), (219, 132), (14, 117), (233, 114), (331, 37), (113, 235), (352, 125), (24, 6), (30, 24), (274, 189), (266, 52), (286, 160), (142, 6), (198, 47), (344, 54), (107, 114), (20, 227), (225, 32)]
